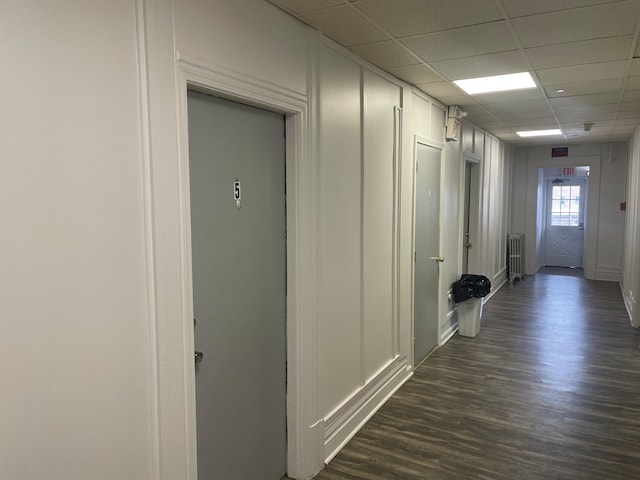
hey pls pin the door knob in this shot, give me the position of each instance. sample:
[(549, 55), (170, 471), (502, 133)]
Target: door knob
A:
[(437, 259), (198, 357)]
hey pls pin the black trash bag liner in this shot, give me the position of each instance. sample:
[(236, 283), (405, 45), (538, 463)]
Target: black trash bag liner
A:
[(471, 286)]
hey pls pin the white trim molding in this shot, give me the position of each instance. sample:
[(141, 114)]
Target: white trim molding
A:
[(303, 441), (164, 79), (608, 273), (347, 419)]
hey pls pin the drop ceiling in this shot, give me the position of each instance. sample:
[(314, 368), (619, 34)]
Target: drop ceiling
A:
[(583, 54)]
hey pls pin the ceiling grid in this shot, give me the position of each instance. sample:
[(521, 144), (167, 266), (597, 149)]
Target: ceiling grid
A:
[(583, 55)]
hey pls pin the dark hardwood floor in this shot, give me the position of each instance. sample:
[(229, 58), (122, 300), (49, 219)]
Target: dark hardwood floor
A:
[(549, 389)]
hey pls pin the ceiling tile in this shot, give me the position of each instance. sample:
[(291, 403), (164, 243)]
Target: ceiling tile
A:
[(630, 107), (626, 121), (299, 6), (595, 130), (577, 125), (488, 122), (535, 123), (416, 74), (635, 67), (387, 54), (594, 71), (345, 25), (576, 53), (482, 65), (526, 105), (403, 18), (631, 96), (633, 83), (623, 129), (514, 96), (491, 124), (585, 88), (463, 100), (629, 114), (597, 99), (463, 42), (502, 131), (524, 114), (439, 89), (521, 8), (586, 117), (600, 21), (588, 111)]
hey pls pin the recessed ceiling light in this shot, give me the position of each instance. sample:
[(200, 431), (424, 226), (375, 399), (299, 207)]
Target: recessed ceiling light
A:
[(560, 90), (540, 133), (496, 83)]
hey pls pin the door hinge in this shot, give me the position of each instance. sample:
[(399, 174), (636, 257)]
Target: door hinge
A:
[(415, 257)]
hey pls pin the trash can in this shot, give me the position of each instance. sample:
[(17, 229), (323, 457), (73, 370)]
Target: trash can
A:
[(468, 293), (469, 316)]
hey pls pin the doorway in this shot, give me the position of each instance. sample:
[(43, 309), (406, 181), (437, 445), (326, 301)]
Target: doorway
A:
[(564, 222), (471, 202), (426, 311), (238, 230)]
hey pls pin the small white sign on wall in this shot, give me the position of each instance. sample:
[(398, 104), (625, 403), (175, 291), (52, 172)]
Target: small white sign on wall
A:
[(237, 192)]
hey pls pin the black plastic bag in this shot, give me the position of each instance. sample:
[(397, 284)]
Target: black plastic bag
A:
[(471, 286)]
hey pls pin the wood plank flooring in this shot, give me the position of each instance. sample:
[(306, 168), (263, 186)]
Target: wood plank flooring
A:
[(549, 389)]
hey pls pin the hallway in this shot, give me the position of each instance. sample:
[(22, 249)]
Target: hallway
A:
[(548, 390)]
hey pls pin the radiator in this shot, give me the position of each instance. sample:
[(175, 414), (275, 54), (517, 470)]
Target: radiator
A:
[(516, 256)]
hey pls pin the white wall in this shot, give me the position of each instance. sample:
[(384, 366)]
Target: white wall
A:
[(605, 222), (631, 270), (75, 355), (96, 372), (492, 208), (360, 356)]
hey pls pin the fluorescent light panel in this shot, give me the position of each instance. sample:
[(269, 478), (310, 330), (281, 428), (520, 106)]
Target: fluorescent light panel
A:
[(496, 83), (540, 133)]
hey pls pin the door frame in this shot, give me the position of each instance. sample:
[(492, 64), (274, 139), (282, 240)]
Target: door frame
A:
[(419, 139), (475, 204), (174, 351), (535, 194)]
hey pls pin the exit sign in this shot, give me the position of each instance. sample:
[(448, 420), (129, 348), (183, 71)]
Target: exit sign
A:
[(570, 171)]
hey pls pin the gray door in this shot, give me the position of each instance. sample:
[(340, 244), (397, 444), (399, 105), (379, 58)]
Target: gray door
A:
[(427, 256), (237, 176)]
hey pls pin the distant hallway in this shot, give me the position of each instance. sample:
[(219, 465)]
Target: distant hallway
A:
[(549, 389)]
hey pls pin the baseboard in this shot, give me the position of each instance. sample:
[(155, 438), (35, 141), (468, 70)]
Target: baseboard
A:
[(630, 304), (343, 423), (499, 280), (450, 328), (609, 274)]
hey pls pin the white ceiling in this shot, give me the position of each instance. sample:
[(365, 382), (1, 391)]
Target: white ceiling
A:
[(589, 48)]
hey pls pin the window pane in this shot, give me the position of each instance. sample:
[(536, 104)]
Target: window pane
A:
[(565, 205), (575, 192)]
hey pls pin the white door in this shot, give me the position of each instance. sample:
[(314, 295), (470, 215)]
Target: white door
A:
[(564, 233), (427, 251), (237, 181)]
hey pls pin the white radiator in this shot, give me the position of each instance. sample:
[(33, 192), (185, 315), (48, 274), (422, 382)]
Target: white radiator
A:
[(516, 256)]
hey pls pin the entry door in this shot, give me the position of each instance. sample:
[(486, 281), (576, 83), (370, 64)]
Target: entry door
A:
[(237, 177), (427, 253), (564, 238)]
